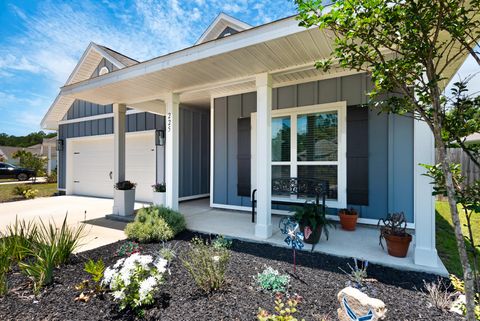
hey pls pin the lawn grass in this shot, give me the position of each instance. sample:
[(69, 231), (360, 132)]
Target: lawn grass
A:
[(44, 190), (446, 243)]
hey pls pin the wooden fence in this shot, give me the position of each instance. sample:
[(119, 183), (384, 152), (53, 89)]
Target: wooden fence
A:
[(469, 169)]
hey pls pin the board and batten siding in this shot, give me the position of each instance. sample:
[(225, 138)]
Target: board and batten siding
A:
[(390, 143)]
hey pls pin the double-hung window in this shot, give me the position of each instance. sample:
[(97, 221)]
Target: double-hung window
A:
[(310, 142)]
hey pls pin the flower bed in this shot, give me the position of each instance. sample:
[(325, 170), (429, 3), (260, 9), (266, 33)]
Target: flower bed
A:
[(239, 298)]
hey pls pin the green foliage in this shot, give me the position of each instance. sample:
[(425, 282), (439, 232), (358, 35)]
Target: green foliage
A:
[(271, 280), (311, 215), (128, 248), (155, 223), (125, 185), (283, 311), (24, 141), (40, 265), (459, 286), (168, 252), (221, 242), (31, 161), (65, 239), (5, 262), (206, 265), (52, 178), (159, 187), (25, 190), (19, 236), (30, 194), (95, 269)]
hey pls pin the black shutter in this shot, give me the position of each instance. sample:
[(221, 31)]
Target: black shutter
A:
[(243, 157), (357, 155)]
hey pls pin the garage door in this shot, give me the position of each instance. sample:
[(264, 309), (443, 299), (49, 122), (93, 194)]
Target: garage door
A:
[(92, 165)]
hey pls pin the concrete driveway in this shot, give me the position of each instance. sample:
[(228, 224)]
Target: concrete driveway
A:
[(99, 231)]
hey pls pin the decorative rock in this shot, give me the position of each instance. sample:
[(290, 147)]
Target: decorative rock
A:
[(357, 306)]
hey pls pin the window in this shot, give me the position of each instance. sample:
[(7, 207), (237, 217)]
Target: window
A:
[(310, 142), (104, 70)]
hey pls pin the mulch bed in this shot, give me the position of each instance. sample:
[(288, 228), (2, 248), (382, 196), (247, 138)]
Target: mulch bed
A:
[(319, 280)]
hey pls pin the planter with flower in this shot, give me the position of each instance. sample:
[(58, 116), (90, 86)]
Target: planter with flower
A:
[(312, 221), (348, 218), (124, 198), (159, 194), (394, 231)]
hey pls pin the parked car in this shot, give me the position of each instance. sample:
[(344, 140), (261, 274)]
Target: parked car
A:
[(11, 171)]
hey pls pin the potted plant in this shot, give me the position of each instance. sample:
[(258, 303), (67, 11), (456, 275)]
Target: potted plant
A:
[(348, 218), (312, 222), (394, 231), (159, 194), (125, 198)]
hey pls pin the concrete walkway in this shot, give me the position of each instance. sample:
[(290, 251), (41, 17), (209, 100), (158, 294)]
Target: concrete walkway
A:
[(30, 181), (100, 231)]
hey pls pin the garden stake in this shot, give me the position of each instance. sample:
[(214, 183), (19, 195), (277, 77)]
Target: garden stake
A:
[(294, 237)]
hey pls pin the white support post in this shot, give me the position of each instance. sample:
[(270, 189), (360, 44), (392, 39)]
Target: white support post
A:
[(424, 203), (172, 104), (119, 119), (263, 227), (49, 162)]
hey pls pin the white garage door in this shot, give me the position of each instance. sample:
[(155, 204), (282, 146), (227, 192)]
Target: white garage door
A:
[(92, 165)]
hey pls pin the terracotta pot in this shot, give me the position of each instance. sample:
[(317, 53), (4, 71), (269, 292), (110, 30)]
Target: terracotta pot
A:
[(314, 237), (398, 245), (348, 221)]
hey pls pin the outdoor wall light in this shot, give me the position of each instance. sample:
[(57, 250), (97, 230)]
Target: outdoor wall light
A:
[(160, 138), (60, 143)]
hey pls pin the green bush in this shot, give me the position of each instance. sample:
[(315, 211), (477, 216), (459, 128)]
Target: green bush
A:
[(52, 178), (25, 191), (5, 261), (271, 280), (40, 265), (154, 224), (206, 265), (20, 236)]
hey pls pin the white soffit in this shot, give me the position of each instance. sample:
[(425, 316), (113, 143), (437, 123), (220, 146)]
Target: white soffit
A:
[(221, 22)]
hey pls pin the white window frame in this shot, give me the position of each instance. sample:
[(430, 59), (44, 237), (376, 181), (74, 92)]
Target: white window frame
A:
[(341, 108)]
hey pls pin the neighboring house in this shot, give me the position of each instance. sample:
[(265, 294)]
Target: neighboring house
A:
[(243, 105), (46, 149)]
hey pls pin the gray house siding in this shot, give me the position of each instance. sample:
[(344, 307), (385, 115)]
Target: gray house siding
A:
[(390, 143), (81, 108), (194, 153), (103, 63)]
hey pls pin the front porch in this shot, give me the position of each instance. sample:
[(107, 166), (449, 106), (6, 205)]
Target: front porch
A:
[(361, 244)]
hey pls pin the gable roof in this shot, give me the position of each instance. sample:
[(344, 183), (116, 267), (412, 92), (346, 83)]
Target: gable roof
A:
[(218, 26), (87, 64)]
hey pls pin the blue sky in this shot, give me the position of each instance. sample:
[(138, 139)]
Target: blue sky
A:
[(41, 41)]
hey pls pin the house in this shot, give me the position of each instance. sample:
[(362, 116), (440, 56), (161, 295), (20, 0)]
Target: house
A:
[(225, 116), (45, 149)]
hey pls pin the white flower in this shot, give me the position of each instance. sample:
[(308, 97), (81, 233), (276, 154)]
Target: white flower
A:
[(146, 286), (108, 275), (161, 265), (119, 262), (216, 258), (144, 260), (119, 295)]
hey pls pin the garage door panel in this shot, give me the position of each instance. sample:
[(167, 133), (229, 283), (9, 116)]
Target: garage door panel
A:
[(93, 162)]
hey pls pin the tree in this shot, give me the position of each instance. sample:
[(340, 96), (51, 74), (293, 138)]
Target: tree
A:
[(407, 47), (31, 161)]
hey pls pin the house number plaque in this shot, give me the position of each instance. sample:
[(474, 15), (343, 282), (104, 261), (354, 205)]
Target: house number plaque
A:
[(169, 122)]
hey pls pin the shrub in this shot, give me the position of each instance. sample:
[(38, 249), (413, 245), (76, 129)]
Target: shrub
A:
[(128, 248), (271, 280), (206, 265), (40, 265), (285, 313), (460, 304), (52, 178), (25, 191), (154, 224), (30, 193), (125, 185), (358, 273), (135, 280), (168, 252), (95, 269), (20, 236), (221, 242), (439, 295)]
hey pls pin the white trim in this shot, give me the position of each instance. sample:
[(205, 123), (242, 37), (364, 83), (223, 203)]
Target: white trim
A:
[(101, 116), (341, 163), (193, 197), (234, 22), (264, 33), (62, 189), (99, 137), (212, 148)]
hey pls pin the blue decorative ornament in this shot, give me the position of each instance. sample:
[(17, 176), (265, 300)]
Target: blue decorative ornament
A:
[(291, 228), (353, 316)]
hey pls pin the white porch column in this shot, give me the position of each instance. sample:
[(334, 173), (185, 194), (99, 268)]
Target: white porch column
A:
[(424, 202), (263, 227), (49, 162), (172, 102), (119, 119)]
